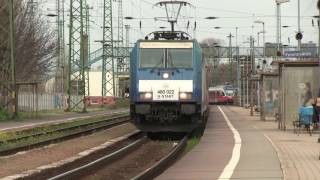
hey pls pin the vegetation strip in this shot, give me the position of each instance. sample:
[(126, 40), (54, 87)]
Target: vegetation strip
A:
[(16, 135), (164, 163), (13, 148)]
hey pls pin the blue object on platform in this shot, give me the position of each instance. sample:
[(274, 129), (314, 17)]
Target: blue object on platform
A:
[(305, 115)]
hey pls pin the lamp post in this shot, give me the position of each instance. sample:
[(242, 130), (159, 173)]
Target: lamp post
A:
[(279, 2), (264, 37), (264, 51), (299, 35)]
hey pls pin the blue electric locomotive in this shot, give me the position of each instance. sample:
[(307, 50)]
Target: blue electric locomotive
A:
[(168, 90)]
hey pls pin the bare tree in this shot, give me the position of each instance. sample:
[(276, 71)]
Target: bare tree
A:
[(35, 44), (221, 75), (34, 41), (210, 42)]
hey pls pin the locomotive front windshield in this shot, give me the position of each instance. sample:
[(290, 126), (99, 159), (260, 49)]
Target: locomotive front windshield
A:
[(179, 58), (152, 58), (165, 58)]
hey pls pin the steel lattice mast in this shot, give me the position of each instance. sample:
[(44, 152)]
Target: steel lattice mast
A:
[(87, 48), (108, 79), (121, 59), (61, 45), (8, 99), (76, 84)]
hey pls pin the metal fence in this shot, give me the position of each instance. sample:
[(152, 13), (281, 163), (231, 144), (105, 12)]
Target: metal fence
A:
[(33, 97), (31, 102)]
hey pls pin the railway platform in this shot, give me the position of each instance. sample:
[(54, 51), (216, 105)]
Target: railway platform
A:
[(14, 125), (236, 145)]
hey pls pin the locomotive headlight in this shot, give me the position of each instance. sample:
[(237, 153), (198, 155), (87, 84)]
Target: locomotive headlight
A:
[(165, 75), (185, 96), (146, 96)]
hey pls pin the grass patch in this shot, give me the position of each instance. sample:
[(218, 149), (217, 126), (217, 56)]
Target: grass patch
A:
[(42, 114), (4, 136), (120, 103), (3, 114), (192, 143), (194, 138)]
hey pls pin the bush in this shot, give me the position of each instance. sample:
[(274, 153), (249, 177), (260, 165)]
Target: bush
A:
[(120, 103), (3, 114)]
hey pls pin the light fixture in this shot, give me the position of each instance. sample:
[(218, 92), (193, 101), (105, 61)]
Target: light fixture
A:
[(52, 15), (165, 75), (211, 17), (128, 17), (146, 96), (185, 96)]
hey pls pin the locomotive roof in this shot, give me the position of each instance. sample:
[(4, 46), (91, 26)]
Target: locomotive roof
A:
[(191, 40)]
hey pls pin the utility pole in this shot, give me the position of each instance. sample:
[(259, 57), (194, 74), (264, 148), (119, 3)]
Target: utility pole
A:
[(253, 71), (61, 46), (87, 49), (318, 6), (76, 80), (13, 59), (278, 27), (108, 79), (299, 29), (318, 20), (127, 49), (8, 91), (278, 35), (127, 27), (230, 57), (121, 60)]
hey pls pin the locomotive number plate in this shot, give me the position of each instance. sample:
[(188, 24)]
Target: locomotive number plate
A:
[(165, 95)]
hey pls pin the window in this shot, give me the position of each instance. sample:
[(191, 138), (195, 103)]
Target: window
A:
[(179, 58), (152, 58)]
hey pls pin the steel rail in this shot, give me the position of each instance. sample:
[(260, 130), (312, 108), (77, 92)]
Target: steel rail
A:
[(150, 173), (164, 163), (104, 124), (78, 172)]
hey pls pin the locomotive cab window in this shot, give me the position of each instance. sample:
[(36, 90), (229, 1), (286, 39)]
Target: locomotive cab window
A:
[(151, 58), (179, 58)]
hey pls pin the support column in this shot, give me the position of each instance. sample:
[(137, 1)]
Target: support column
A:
[(108, 79), (76, 84), (8, 95)]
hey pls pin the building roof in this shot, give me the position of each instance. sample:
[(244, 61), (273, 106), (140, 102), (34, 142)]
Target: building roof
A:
[(301, 63)]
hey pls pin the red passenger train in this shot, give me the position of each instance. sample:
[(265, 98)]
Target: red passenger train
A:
[(218, 95)]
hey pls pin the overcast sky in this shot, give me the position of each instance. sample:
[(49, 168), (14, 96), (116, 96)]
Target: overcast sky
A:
[(230, 13)]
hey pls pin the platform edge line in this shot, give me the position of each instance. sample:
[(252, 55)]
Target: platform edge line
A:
[(230, 167)]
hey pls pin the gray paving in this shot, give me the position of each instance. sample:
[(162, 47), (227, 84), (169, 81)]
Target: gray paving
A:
[(258, 159), (298, 154), (208, 159)]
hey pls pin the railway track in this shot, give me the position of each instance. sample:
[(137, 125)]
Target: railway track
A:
[(64, 133), (119, 159)]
